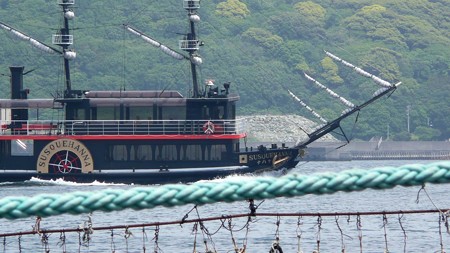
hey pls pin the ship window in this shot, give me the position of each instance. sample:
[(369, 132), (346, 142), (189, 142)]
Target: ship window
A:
[(5, 148), (205, 113), (108, 113), (132, 154), (173, 113), (144, 153), (218, 112), (141, 113), (166, 153), (193, 153), (79, 114), (22, 147), (169, 152), (119, 153), (216, 152), (39, 113), (232, 112)]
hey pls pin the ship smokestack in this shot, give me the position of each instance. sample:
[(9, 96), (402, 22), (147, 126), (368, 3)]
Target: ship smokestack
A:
[(17, 92)]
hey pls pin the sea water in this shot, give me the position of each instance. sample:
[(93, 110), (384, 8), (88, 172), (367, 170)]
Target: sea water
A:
[(345, 233)]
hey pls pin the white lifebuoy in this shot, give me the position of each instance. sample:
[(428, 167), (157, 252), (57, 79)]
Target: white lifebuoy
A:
[(208, 127)]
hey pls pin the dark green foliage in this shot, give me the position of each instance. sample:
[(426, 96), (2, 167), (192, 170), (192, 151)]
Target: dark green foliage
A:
[(262, 47)]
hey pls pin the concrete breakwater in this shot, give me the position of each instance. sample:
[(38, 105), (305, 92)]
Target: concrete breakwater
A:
[(380, 150), (372, 150), (268, 129)]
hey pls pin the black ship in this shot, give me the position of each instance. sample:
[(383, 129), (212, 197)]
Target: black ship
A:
[(141, 137)]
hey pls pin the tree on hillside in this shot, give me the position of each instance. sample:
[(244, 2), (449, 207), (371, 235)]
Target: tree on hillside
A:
[(330, 71), (263, 38), (384, 63), (307, 21), (376, 22), (311, 12), (232, 9)]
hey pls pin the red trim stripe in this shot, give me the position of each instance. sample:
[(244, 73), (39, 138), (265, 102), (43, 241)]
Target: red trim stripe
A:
[(125, 137)]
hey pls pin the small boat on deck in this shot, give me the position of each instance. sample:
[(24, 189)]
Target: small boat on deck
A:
[(140, 137)]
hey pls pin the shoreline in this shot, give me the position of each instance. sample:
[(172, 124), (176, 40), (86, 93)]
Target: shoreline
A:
[(372, 150)]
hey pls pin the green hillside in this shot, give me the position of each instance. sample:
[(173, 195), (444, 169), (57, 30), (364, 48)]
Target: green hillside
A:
[(262, 47)]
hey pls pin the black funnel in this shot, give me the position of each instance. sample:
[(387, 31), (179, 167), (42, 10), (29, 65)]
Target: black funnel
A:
[(17, 92), (17, 82)]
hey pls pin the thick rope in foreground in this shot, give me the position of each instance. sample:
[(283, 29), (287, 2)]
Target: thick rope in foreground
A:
[(228, 191)]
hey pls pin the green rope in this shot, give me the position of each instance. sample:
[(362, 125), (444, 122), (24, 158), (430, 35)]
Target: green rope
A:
[(228, 191)]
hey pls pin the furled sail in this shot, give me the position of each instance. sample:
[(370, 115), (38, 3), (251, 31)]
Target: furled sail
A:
[(308, 108), (35, 43), (332, 93), (360, 71), (332, 125), (155, 43)]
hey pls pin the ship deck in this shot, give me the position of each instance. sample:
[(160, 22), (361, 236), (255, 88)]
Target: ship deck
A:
[(122, 127)]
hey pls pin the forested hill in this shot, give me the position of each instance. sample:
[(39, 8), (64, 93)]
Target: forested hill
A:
[(262, 47)]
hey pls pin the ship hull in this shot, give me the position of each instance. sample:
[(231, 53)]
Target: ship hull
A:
[(134, 160)]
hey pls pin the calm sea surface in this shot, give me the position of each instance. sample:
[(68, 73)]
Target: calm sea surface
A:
[(407, 233)]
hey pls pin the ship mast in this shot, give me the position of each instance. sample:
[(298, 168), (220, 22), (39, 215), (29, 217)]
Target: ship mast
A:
[(191, 44), (64, 40)]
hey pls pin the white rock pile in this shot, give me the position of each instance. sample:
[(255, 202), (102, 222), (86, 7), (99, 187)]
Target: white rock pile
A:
[(279, 128)]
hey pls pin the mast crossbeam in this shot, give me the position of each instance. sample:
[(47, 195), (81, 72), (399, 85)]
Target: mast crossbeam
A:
[(66, 2), (59, 39), (191, 4)]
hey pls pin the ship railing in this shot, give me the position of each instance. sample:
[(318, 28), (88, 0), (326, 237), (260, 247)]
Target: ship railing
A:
[(189, 44), (66, 2), (122, 127), (60, 39), (191, 4), (29, 127)]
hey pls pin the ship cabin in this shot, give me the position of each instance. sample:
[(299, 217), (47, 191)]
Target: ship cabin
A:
[(150, 113), (119, 127)]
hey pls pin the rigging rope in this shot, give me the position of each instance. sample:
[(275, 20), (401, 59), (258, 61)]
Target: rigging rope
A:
[(223, 218), (228, 190)]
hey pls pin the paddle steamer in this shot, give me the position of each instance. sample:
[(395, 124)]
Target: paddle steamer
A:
[(142, 137)]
